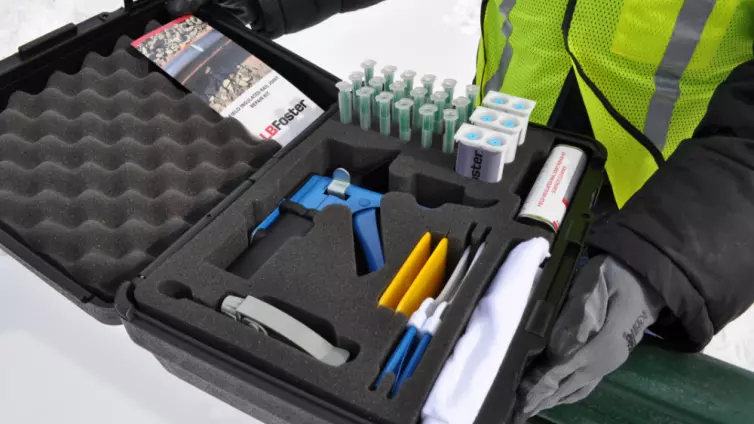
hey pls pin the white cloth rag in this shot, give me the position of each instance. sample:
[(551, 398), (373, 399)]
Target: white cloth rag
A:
[(468, 374)]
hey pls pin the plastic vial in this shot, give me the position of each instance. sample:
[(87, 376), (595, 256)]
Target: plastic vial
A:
[(408, 77), (403, 106), (378, 85), (439, 99), (472, 92), (345, 91), (365, 107), (368, 66), (427, 113), (450, 116), (428, 82), (462, 106), (419, 94), (449, 85), (383, 102), (398, 88), (357, 79), (388, 72)]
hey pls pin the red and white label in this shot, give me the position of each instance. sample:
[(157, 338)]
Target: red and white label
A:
[(548, 200)]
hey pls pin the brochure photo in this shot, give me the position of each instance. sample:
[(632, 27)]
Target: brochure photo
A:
[(230, 79)]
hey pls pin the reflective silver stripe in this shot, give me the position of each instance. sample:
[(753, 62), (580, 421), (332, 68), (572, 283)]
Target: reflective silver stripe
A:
[(686, 35), (505, 59)]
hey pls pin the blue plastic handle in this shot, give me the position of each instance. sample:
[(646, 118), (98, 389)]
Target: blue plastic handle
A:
[(410, 367), (395, 364), (365, 225), (362, 203)]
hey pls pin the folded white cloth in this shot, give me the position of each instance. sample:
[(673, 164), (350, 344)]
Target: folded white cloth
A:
[(466, 378)]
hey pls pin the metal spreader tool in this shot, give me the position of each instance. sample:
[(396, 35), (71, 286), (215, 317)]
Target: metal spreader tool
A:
[(273, 322)]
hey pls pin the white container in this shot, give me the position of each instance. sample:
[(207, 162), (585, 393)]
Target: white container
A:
[(511, 104), (548, 200), (481, 153), (503, 122)]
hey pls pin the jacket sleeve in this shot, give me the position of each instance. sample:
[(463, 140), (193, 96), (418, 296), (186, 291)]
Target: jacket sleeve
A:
[(689, 232), (280, 17)]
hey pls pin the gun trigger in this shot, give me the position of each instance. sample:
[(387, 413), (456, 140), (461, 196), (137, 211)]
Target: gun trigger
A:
[(341, 180)]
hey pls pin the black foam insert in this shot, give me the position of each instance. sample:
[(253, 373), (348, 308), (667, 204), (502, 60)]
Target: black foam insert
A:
[(103, 169), (315, 277)]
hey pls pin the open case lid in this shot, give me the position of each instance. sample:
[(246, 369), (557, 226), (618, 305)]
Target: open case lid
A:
[(107, 238)]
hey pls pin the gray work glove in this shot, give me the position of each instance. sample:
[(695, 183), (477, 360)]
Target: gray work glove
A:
[(248, 11), (603, 319), (274, 18)]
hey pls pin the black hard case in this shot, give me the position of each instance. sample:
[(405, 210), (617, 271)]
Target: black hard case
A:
[(246, 387)]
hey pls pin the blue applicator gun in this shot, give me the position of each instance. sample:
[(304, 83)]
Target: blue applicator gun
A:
[(293, 217)]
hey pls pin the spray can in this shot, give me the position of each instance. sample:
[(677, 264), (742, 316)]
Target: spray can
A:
[(548, 200), (481, 153)]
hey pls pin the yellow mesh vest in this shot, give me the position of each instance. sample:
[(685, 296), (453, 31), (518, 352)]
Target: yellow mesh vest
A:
[(539, 54), (630, 50), (490, 44)]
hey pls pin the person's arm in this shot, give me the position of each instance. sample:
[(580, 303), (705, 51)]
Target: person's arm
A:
[(282, 17), (689, 232), (275, 18), (680, 259)]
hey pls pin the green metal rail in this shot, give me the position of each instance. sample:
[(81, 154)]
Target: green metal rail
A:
[(659, 386)]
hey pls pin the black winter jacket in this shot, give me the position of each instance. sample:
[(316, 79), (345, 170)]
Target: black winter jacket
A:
[(689, 232)]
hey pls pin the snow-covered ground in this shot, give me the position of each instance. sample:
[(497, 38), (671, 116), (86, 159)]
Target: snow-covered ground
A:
[(58, 364)]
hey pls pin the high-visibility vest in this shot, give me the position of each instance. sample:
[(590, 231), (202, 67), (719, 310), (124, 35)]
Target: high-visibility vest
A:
[(646, 69)]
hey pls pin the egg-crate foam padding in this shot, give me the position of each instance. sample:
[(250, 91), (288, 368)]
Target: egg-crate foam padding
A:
[(314, 277), (103, 169)]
